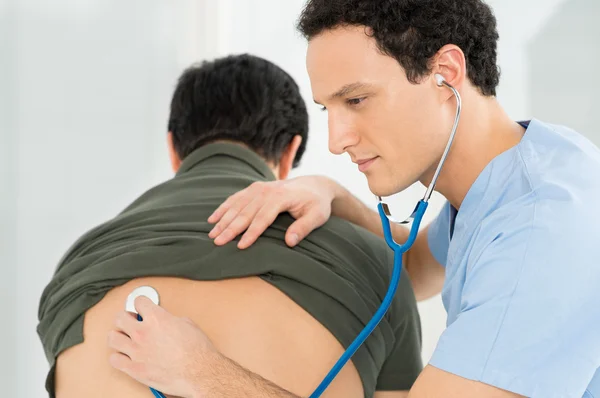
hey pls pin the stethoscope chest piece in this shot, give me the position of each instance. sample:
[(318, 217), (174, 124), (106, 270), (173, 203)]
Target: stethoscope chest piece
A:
[(147, 291), (152, 294)]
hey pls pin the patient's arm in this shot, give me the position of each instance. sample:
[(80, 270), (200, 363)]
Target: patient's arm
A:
[(248, 320)]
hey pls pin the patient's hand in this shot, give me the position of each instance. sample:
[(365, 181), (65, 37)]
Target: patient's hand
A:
[(163, 351), (308, 199)]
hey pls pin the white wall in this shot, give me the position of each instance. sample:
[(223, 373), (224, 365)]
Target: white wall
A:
[(8, 181), (565, 86), (519, 23), (91, 86), (83, 105)]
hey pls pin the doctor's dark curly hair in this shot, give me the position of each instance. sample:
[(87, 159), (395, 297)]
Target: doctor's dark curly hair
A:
[(412, 31)]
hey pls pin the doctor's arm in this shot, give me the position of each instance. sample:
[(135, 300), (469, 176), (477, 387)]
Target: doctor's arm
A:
[(173, 355), (311, 200), (434, 382), (233, 380)]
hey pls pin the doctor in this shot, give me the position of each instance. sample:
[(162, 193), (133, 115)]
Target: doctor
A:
[(515, 249)]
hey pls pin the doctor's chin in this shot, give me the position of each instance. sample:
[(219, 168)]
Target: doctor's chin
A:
[(380, 186)]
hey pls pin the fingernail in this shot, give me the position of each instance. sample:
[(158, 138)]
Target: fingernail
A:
[(213, 233), (219, 240), (294, 239)]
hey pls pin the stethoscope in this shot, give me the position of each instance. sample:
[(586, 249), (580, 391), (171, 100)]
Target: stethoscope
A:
[(399, 249), (152, 294)]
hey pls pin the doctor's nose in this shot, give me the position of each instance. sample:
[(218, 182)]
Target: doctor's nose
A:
[(341, 136)]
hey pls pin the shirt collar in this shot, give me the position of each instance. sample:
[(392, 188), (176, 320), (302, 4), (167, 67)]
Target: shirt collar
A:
[(232, 150)]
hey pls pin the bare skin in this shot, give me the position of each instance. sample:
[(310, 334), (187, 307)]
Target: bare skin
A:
[(236, 322), (397, 131), (246, 320)]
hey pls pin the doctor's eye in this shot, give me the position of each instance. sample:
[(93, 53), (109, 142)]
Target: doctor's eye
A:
[(355, 101)]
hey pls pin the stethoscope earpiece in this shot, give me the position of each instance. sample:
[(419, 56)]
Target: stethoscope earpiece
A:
[(439, 79), (386, 216)]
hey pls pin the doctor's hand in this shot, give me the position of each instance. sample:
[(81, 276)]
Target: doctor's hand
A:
[(308, 199), (165, 352)]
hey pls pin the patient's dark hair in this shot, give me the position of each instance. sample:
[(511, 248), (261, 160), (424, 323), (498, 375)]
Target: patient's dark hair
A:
[(241, 98), (412, 31)]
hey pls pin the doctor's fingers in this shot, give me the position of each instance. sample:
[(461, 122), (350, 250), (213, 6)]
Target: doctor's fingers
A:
[(149, 312), (126, 365), (236, 220), (239, 200), (229, 211), (262, 219), (121, 343), (127, 323), (304, 225)]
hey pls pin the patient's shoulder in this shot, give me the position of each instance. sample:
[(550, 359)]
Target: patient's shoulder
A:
[(348, 237)]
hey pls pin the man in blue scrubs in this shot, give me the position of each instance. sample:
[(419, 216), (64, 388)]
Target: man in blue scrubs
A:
[(514, 251)]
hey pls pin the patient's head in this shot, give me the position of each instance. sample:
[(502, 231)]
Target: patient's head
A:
[(242, 99)]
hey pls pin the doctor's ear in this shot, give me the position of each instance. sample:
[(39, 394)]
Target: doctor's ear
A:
[(450, 65)]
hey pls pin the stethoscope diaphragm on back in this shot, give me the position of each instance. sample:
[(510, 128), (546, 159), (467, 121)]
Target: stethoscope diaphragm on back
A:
[(147, 291)]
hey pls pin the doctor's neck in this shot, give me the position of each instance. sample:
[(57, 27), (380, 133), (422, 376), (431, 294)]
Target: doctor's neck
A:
[(485, 131)]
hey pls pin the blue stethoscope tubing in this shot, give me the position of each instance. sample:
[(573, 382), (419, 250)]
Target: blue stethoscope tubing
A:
[(156, 393), (399, 250)]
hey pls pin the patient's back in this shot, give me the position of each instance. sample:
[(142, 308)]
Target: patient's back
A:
[(285, 313), (248, 319)]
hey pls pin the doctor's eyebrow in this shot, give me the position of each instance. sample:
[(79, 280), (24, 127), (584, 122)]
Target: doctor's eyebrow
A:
[(347, 89)]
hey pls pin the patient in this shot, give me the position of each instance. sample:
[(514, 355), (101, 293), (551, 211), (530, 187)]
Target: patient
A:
[(284, 313)]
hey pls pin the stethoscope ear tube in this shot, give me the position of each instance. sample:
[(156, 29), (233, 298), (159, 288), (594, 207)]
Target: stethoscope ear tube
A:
[(399, 249)]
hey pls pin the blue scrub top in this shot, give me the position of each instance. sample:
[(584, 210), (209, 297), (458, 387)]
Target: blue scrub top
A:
[(522, 258)]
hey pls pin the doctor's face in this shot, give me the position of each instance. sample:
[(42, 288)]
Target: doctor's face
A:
[(388, 125)]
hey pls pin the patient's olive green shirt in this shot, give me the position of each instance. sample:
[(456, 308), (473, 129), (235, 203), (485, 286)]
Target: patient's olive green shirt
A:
[(339, 273)]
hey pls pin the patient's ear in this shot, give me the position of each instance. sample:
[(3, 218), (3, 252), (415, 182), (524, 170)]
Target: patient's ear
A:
[(173, 156), (287, 158)]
